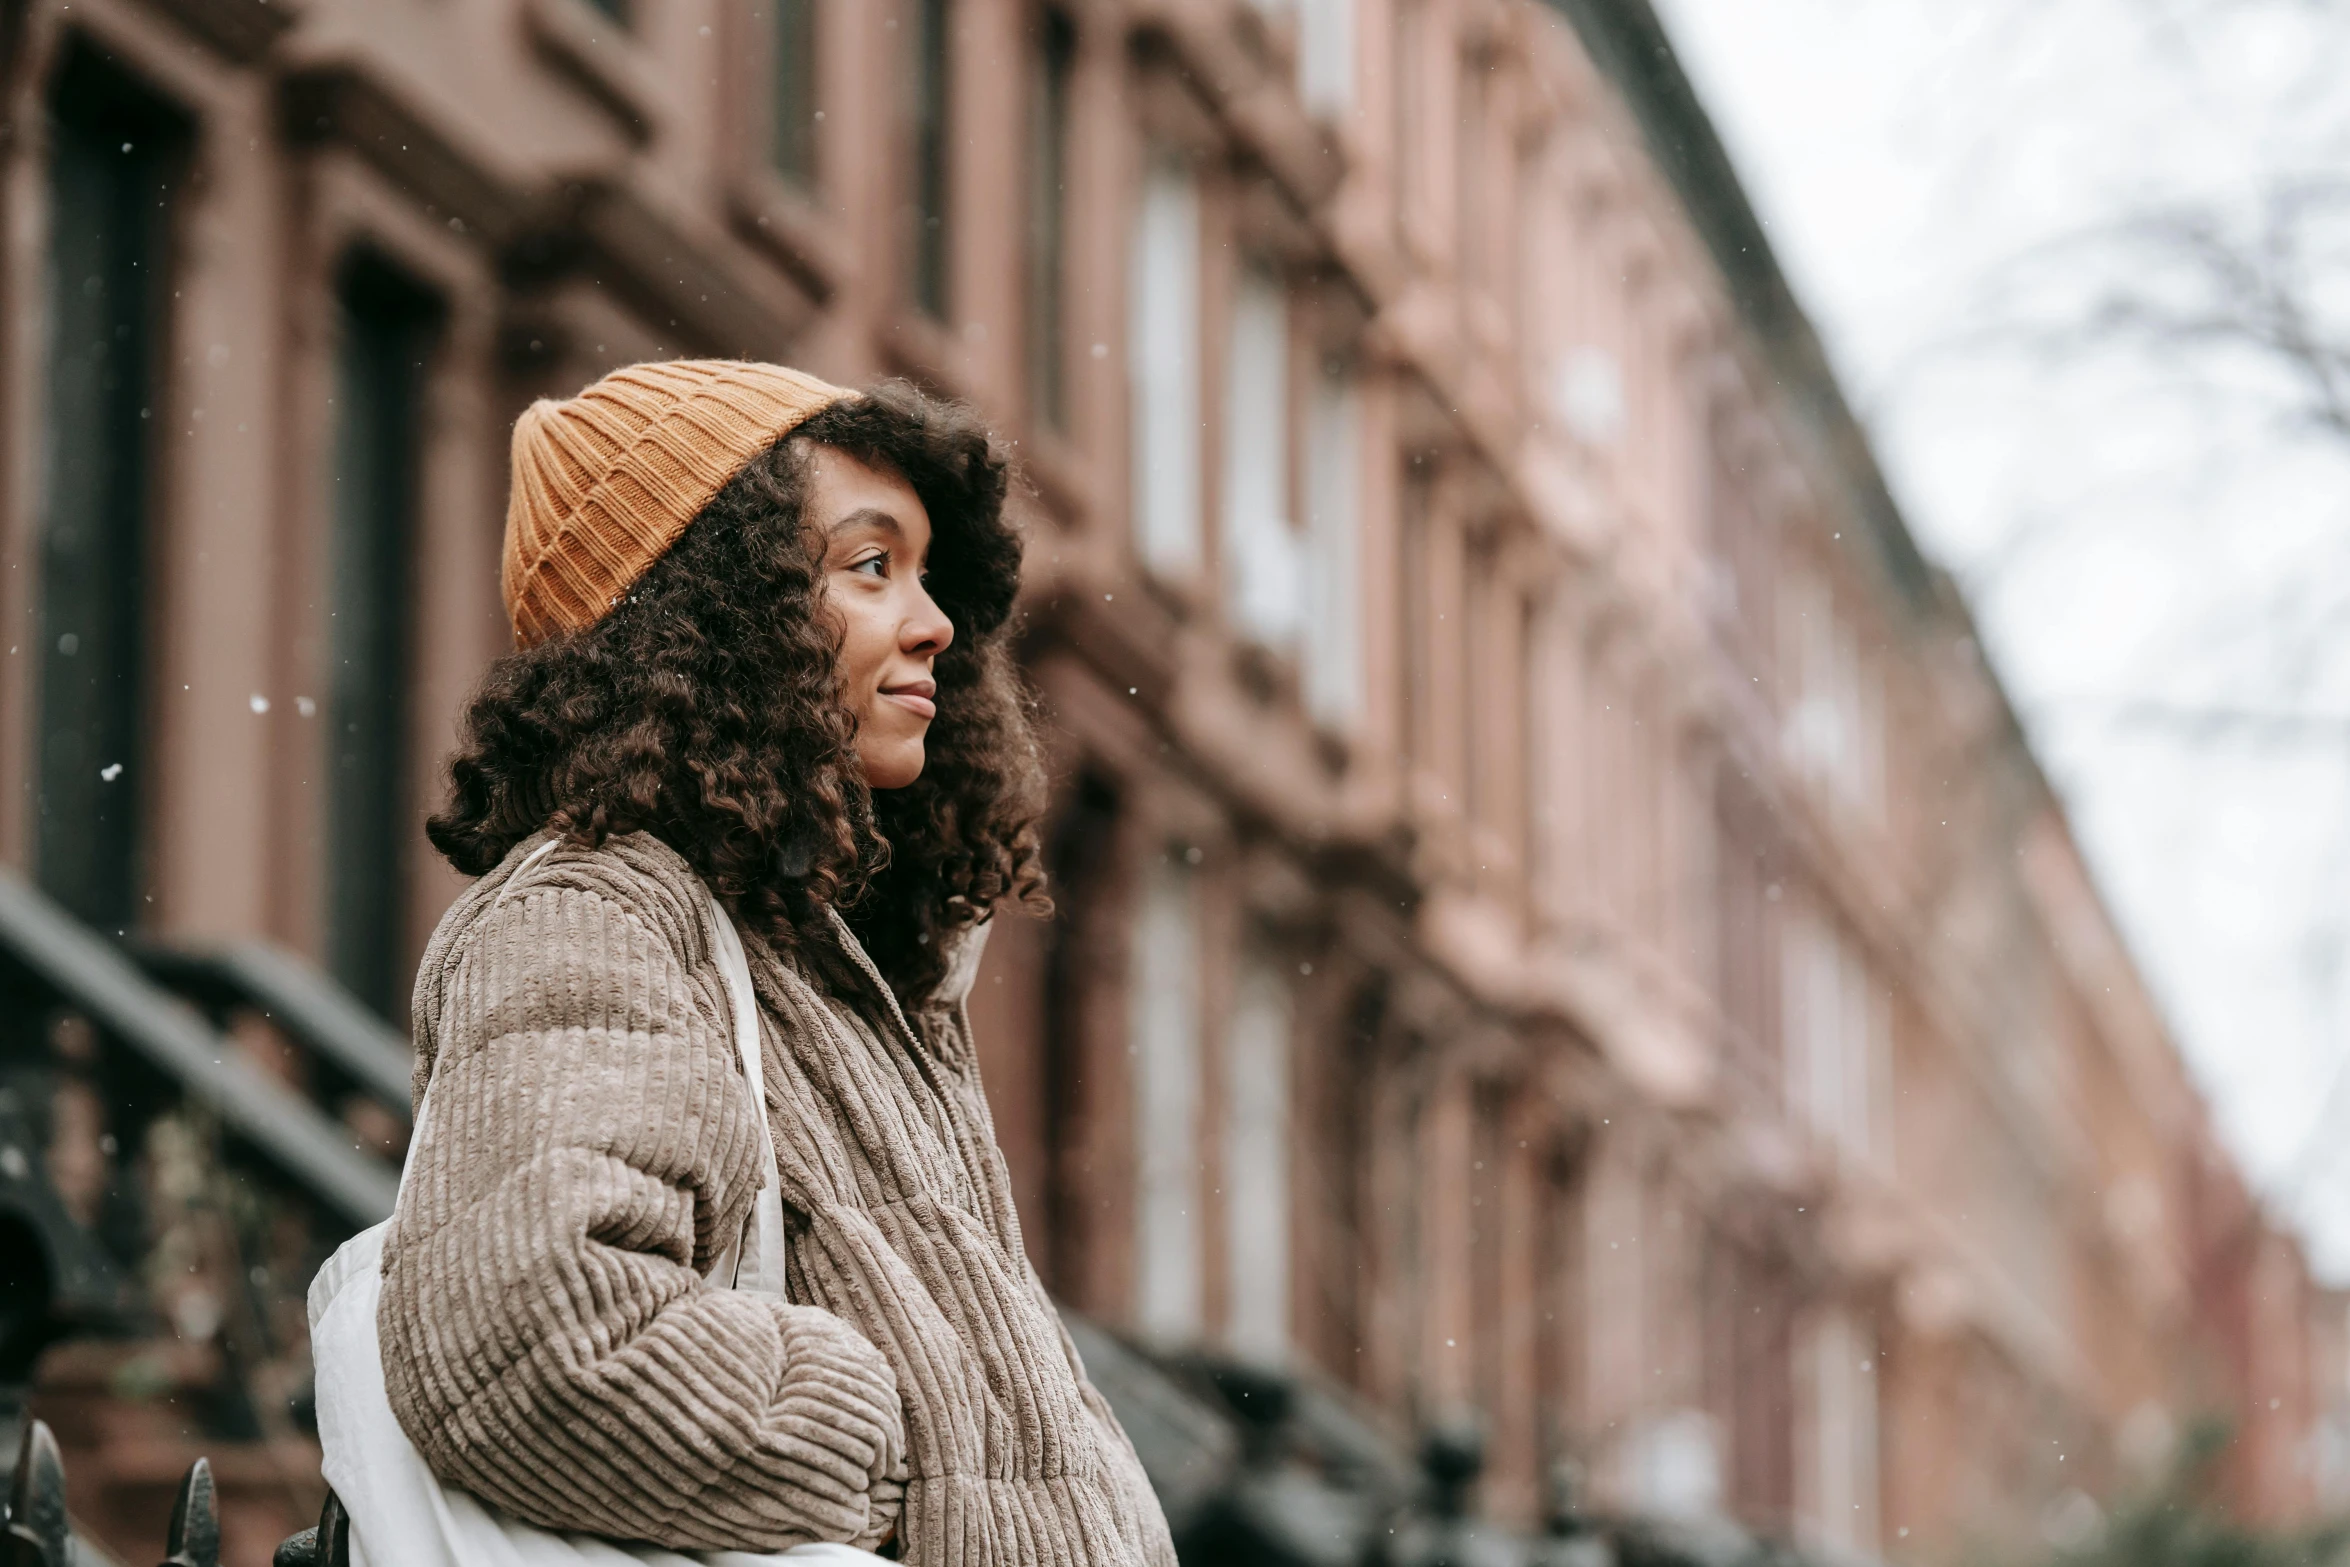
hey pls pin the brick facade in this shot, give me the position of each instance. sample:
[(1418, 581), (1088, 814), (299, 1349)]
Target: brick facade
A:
[(1612, 966)]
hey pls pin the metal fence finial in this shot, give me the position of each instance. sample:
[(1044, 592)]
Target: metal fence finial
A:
[(194, 1538), (38, 1533)]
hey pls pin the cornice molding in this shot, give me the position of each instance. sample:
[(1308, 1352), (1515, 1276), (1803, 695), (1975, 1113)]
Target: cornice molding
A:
[(604, 226), (242, 30), (342, 103), (598, 55)]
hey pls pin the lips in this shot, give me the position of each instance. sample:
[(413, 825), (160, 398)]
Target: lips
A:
[(916, 696)]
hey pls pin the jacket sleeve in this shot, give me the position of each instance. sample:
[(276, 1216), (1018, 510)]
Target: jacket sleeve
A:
[(549, 1342)]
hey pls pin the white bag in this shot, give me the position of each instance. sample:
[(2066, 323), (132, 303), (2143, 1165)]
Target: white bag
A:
[(401, 1516)]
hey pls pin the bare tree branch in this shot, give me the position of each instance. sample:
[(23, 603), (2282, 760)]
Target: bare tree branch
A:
[(2242, 291)]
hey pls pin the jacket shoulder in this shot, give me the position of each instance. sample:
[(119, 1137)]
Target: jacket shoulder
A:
[(637, 874)]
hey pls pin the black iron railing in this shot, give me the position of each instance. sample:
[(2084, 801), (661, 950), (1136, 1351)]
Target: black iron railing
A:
[(143, 1117), (326, 1020), (81, 968), (40, 1531)]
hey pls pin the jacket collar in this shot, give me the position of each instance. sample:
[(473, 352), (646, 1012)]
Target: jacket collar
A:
[(963, 948)]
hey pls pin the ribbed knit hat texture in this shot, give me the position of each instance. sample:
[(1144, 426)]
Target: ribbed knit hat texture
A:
[(605, 482)]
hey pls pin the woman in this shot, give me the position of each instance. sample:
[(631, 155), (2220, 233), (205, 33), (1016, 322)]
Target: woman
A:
[(763, 648)]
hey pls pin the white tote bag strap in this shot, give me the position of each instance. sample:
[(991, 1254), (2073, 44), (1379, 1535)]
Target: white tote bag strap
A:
[(755, 1261)]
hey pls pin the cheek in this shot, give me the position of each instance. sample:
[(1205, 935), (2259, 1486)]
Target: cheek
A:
[(864, 646)]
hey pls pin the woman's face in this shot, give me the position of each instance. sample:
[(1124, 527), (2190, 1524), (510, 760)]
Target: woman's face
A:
[(877, 547)]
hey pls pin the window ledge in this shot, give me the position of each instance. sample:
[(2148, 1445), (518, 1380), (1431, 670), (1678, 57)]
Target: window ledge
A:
[(598, 54), (1232, 58), (1336, 743), (922, 347), (1268, 674), (789, 226), (1275, 677), (1061, 474), (243, 30)]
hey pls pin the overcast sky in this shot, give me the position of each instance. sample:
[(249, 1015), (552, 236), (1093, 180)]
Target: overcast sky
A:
[(2148, 533)]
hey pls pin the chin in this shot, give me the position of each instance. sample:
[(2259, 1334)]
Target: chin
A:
[(896, 770)]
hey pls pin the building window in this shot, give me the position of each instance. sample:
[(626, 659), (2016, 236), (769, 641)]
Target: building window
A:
[(1085, 950), (1529, 620), (1472, 173), (1261, 566), (1326, 55), (1747, 898), (1048, 238), (388, 328), (792, 122), (1334, 457), (1587, 396), (1482, 671), (1408, 74), (1742, 542), (1835, 714), (1491, 1156), (1837, 1478), (1165, 1038), (1342, 1184), (113, 155), (1494, 619), (1415, 563), (1836, 1032), (1553, 717), (1163, 338), (931, 75), (1750, 1310), (1561, 1287), (1324, 32), (1257, 1135)]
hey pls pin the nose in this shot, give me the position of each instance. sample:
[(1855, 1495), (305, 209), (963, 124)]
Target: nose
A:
[(926, 631)]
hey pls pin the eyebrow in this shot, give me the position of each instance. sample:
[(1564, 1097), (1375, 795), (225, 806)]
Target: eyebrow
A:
[(871, 517)]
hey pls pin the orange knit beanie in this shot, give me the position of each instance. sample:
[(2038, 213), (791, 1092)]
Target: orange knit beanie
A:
[(604, 483)]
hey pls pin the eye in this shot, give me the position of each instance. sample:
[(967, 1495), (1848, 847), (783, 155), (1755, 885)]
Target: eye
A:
[(874, 565)]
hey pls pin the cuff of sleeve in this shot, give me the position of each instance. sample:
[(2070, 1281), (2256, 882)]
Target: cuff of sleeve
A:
[(837, 1396)]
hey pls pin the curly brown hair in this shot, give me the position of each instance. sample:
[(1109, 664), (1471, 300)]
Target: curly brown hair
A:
[(706, 709)]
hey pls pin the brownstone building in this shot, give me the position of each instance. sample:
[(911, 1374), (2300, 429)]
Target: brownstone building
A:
[(1557, 921)]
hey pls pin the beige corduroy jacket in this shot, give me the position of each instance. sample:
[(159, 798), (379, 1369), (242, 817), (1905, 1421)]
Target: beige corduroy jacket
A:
[(549, 1342)]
